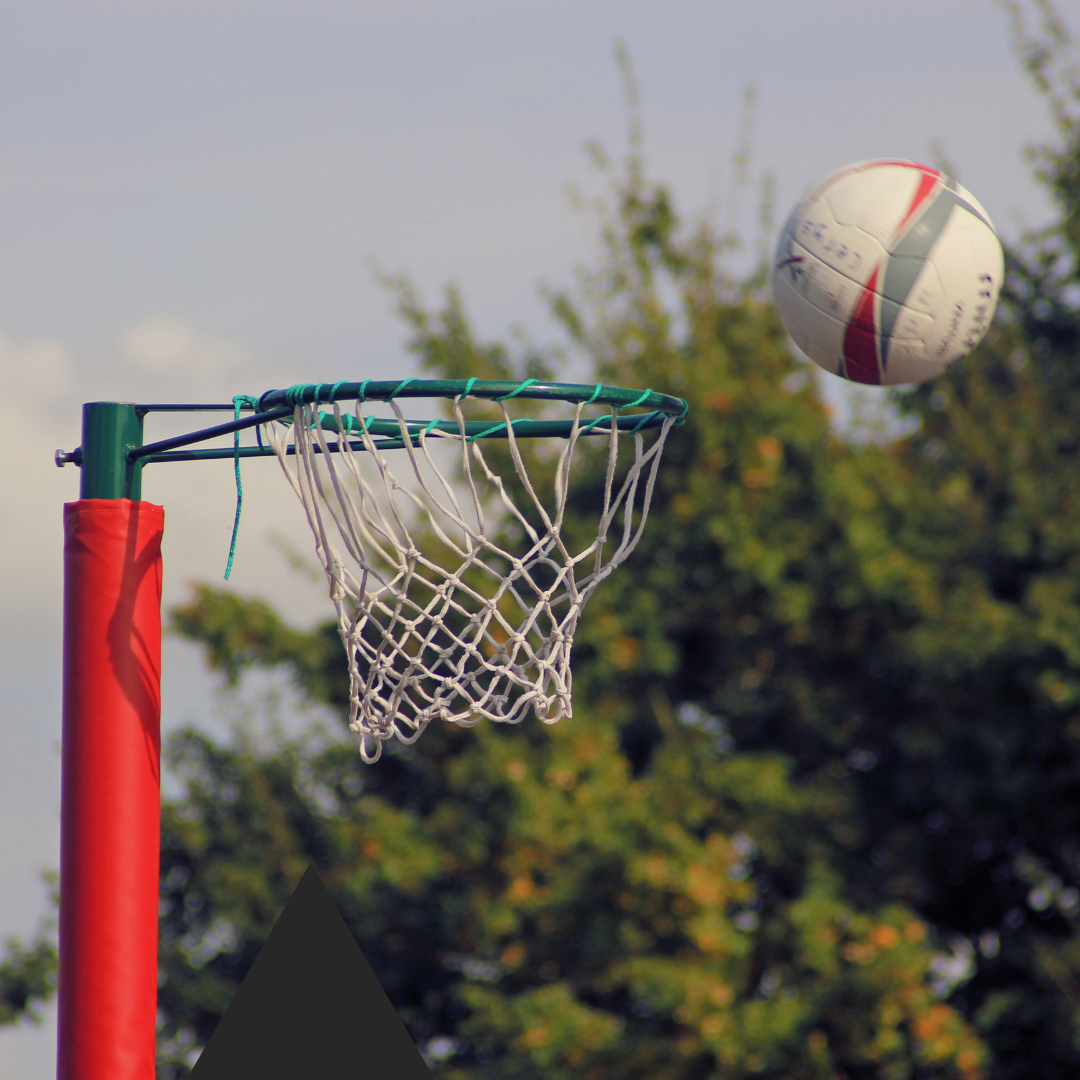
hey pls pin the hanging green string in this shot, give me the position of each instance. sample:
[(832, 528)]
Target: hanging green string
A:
[(238, 402)]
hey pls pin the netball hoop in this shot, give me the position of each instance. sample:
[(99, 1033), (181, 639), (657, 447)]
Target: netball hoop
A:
[(456, 589), (445, 612)]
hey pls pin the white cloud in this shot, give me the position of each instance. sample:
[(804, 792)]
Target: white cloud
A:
[(36, 377), (163, 346), (41, 366)]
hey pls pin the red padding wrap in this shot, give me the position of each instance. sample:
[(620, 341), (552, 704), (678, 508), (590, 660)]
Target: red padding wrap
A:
[(111, 801)]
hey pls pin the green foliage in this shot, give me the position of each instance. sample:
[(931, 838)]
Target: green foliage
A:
[(815, 814), (237, 634), (27, 979), (524, 892), (787, 722), (28, 973)]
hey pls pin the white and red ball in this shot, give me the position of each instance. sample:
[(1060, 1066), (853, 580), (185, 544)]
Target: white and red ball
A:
[(887, 273)]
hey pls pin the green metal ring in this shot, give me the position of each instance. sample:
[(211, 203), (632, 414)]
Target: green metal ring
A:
[(491, 389)]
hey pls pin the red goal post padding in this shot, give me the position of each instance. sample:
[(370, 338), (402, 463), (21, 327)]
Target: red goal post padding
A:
[(110, 817)]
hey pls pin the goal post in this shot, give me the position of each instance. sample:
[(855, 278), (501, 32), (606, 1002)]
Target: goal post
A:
[(110, 761)]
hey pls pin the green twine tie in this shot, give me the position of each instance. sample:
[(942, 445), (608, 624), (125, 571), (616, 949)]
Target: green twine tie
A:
[(238, 402)]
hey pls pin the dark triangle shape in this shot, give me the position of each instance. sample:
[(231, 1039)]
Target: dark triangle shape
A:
[(310, 1006)]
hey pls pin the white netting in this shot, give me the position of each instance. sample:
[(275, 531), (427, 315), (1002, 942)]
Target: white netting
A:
[(438, 620)]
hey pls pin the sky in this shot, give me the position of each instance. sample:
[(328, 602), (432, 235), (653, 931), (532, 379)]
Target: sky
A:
[(197, 199)]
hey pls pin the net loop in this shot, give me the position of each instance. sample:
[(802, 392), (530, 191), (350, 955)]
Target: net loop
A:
[(456, 592), (514, 393), (400, 386), (596, 423), (505, 425), (643, 421)]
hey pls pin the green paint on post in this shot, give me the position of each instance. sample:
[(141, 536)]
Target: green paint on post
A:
[(110, 430)]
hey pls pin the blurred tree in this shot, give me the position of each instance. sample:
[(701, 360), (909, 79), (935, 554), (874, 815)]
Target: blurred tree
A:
[(843, 676), (28, 970), (533, 910), (27, 976), (702, 903)]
